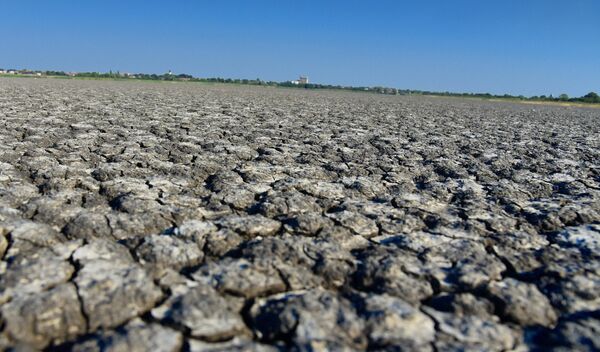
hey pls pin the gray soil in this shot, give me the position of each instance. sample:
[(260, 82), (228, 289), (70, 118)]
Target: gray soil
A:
[(157, 216)]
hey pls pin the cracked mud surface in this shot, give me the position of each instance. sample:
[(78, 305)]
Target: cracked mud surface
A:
[(165, 217)]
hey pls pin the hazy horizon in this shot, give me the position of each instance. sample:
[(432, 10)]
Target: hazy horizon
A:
[(537, 48)]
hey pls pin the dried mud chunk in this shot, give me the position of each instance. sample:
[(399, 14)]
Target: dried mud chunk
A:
[(113, 293), (102, 250), (237, 198), (130, 187), (52, 211), (580, 333), (519, 249), (297, 278), (417, 241), (136, 336), (462, 263), (195, 231), (237, 344), (575, 293), (314, 319), (356, 222), (251, 225), (263, 173), (103, 174), (564, 262), (6, 344), (370, 188), (224, 180), (201, 311), (168, 278), (448, 168), (522, 263), (126, 226), (3, 245), (395, 272), (332, 263), (37, 271), (287, 254), (463, 304), (165, 251), (473, 273), (585, 238), (220, 242), (522, 303), (88, 226), (307, 224), (28, 236), (456, 333), (390, 321), (241, 278), (40, 319), (133, 204), (324, 190), (288, 204)]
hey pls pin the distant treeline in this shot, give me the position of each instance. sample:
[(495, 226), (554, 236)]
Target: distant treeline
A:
[(591, 97), (257, 81), (588, 98)]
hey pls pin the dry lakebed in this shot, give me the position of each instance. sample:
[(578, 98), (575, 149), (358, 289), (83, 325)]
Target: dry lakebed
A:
[(141, 216)]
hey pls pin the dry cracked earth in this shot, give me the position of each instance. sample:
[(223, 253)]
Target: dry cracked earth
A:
[(165, 217)]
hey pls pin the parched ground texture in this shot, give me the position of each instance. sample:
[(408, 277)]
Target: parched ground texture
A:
[(158, 216)]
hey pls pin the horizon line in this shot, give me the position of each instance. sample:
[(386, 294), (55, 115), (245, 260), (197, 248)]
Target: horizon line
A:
[(169, 72)]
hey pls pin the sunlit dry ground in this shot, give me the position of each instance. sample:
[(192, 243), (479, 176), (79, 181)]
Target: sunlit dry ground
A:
[(158, 216)]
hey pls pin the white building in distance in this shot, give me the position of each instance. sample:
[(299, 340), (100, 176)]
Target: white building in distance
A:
[(301, 80)]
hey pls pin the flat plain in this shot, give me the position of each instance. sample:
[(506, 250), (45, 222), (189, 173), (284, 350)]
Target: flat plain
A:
[(144, 216)]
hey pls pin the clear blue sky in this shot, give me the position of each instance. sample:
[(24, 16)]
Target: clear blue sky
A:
[(529, 47)]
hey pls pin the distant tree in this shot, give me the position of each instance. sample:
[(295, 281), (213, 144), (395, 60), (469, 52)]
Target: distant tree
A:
[(55, 73), (591, 97), (563, 97)]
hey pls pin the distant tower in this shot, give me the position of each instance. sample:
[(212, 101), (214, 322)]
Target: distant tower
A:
[(303, 80), (170, 73)]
